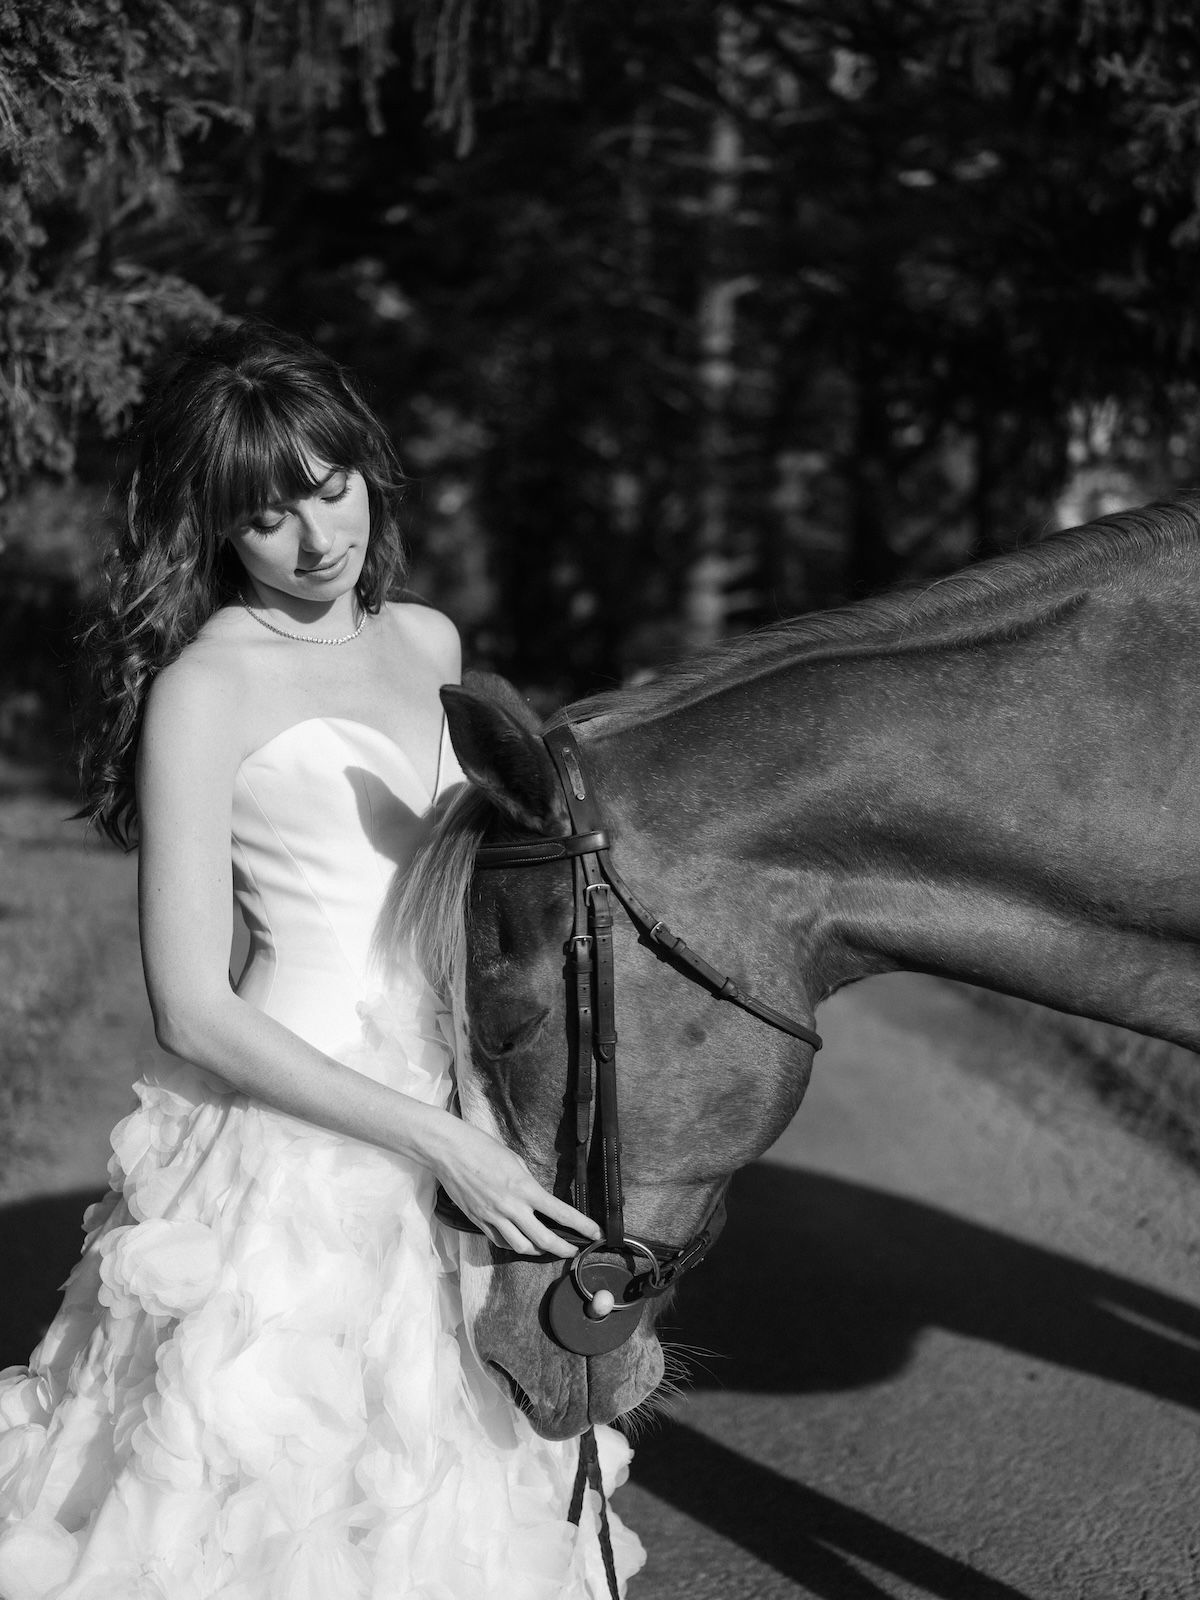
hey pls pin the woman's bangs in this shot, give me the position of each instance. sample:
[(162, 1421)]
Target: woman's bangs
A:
[(267, 453)]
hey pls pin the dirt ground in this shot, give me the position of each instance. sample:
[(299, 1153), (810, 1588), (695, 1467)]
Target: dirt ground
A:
[(949, 1345), (72, 1002), (955, 1324)]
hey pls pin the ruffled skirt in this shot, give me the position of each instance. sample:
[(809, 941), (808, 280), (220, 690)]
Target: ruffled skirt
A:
[(258, 1386)]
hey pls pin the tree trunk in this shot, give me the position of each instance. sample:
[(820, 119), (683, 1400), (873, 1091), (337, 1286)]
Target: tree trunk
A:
[(704, 602), (873, 564)]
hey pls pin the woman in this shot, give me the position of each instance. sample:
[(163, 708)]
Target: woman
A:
[(256, 1386)]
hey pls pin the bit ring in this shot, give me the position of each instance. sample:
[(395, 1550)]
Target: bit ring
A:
[(636, 1247)]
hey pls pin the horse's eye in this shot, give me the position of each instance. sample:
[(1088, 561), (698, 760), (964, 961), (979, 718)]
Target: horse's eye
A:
[(504, 1039)]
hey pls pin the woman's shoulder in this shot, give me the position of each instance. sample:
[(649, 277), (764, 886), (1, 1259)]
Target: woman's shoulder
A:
[(201, 695), (216, 659), (429, 632)]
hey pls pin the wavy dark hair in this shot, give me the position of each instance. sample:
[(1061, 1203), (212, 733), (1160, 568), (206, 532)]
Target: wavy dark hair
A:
[(235, 421)]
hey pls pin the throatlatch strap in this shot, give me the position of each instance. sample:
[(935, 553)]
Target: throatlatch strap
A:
[(667, 946), (592, 844), (587, 1476)]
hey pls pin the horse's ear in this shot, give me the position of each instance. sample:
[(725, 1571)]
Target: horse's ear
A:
[(496, 740)]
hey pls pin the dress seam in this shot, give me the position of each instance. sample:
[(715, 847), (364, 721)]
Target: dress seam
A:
[(248, 870), (359, 978)]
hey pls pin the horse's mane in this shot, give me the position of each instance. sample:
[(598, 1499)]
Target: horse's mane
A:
[(1004, 597), (1007, 596)]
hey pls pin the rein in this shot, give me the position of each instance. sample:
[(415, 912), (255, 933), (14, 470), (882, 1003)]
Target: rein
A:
[(593, 1315)]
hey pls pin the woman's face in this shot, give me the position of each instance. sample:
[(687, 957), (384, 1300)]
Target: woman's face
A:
[(311, 549)]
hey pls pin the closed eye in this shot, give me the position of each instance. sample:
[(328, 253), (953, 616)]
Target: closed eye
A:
[(336, 487), (259, 525), (496, 1044)]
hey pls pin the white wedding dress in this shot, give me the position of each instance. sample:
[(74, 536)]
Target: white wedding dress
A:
[(258, 1386)]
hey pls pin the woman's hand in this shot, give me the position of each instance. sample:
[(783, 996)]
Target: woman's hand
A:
[(498, 1192)]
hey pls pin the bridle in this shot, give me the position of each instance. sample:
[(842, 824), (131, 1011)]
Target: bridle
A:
[(598, 1313)]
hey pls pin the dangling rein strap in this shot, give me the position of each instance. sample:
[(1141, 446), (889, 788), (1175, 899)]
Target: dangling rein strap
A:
[(587, 1476)]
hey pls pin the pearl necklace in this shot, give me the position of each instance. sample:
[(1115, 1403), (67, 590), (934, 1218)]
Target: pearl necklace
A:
[(304, 638)]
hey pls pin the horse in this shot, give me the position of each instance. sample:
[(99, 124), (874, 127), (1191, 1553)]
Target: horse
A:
[(994, 778)]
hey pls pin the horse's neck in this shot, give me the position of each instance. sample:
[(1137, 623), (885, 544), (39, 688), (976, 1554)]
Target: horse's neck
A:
[(1021, 814)]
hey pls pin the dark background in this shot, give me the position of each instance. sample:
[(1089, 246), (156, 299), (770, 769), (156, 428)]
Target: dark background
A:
[(685, 317)]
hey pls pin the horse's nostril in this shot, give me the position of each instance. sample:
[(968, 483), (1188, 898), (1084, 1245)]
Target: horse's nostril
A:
[(507, 1382)]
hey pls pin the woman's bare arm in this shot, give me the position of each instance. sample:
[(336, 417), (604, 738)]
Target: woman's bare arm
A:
[(188, 760)]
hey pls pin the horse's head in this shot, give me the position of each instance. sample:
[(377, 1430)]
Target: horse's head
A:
[(702, 1089)]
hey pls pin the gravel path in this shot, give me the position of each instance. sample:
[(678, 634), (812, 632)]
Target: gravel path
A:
[(951, 1338), (72, 1003)]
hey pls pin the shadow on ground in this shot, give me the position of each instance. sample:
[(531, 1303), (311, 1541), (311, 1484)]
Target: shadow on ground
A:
[(820, 1284), (40, 1241), (805, 1535)]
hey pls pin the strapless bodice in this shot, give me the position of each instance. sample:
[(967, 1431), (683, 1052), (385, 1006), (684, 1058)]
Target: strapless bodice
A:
[(323, 815)]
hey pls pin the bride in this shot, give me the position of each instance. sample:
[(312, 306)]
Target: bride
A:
[(258, 1386)]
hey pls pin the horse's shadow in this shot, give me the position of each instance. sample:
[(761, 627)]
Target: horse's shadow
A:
[(818, 1284), (821, 1284), (807, 1536)]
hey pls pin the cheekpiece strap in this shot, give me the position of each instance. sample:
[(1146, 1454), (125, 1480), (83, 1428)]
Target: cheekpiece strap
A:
[(581, 803), (596, 1031)]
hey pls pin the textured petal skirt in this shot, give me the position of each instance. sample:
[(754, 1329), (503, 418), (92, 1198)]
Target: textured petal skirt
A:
[(258, 1388)]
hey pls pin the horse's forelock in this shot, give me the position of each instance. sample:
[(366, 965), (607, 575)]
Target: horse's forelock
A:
[(424, 915), (425, 910)]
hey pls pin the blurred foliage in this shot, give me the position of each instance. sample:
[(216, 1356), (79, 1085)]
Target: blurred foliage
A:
[(686, 316), (94, 101), (100, 103)]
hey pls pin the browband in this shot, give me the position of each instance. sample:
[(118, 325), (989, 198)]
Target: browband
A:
[(539, 852)]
